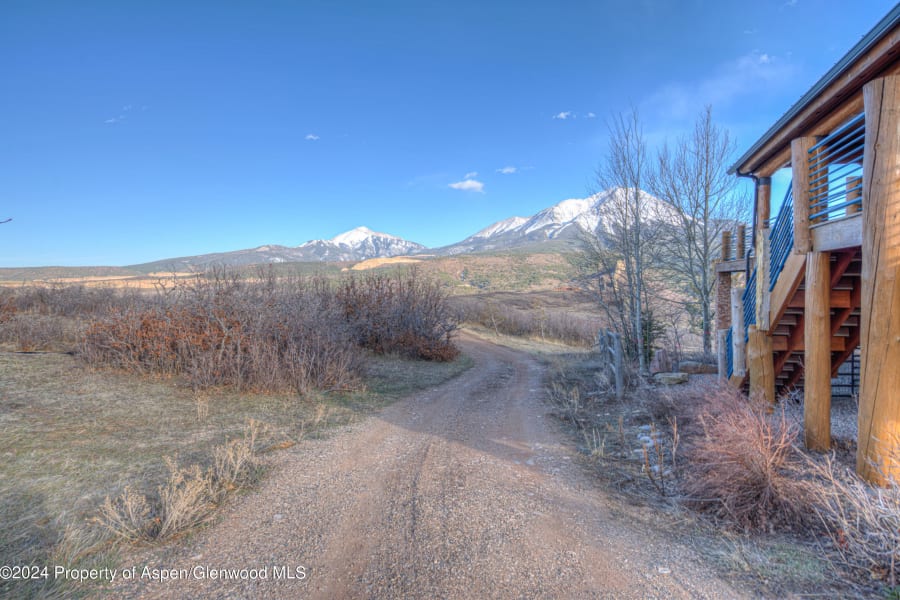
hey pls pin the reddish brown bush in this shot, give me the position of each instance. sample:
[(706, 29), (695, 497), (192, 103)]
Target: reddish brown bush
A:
[(744, 467), (403, 313), (273, 334)]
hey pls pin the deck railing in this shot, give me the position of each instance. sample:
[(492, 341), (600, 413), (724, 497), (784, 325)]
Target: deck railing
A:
[(729, 351), (781, 238), (748, 301), (835, 172)]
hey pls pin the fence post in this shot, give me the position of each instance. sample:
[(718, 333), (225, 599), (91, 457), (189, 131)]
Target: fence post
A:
[(617, 362)]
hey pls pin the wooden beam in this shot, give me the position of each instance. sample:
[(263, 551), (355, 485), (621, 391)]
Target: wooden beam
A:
[(800, 148), (817, 353), (732, 266), (837, 298), (783, 343), (840, 266), (837, 234), (853, 193), (762, 370), (763, 202), (763, 295), (879, 395), (788, 282)]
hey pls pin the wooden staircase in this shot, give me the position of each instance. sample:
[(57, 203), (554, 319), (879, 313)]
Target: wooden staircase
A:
[(787, 327)]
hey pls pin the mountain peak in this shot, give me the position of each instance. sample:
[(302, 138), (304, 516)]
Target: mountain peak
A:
[(357, 236)]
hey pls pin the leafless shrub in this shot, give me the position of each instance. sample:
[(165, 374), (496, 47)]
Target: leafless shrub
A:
[(862, 520), (273, 334), (743, 468), (558, 326), (401, 313), (221, 331), (32, 332)]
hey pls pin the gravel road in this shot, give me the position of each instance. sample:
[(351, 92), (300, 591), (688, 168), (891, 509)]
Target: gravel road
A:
[(466, 490)]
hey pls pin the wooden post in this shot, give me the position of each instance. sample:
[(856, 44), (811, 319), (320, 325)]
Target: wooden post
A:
[(763, 202), (800, 189), (737, 327), (726, 245), (762, 281), (853, 193), (817, 352), (762, 369), (722, 353), (879, 393), (741, 243), (763, 206)]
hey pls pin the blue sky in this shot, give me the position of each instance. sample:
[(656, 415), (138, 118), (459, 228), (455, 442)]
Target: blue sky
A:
[(135, 131)]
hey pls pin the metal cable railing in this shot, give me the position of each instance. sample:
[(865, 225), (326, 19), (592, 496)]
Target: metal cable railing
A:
[(781, 238), (835, 172), (748, 301), (729, 351)]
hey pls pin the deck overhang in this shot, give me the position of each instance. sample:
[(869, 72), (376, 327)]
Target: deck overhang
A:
[(836, 97)]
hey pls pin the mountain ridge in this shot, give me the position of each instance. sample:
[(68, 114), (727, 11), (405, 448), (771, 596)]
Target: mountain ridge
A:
[(564, 223)]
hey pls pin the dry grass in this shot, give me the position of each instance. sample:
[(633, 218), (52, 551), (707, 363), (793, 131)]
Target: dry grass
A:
[(73, 436), (863, 521), (189, 495)]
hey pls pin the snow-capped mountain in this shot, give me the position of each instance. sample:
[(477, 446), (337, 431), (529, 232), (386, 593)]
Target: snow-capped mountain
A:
[(564, 221), (560, 226), (358, 244), (354, 245)]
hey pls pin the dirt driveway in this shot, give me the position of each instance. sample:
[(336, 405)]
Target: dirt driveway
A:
[(464, 491)]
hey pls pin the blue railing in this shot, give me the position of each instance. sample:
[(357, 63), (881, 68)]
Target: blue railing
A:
[(835, 172), (749, 303), (729, 351), (781, 238)]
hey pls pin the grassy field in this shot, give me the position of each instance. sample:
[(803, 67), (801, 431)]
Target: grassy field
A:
[(73, 436), (471, 273)]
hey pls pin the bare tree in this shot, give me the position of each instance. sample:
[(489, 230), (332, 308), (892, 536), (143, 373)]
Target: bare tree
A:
[(623, 257), (692, 178)]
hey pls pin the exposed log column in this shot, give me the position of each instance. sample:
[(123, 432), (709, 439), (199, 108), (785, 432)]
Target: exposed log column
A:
[(817, 308), (760, 358), (817, 352), (879, 401)]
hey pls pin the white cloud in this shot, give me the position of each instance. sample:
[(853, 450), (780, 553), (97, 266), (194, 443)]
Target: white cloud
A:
[(745, 75), (590, 115), (566, 114), (471, 175), (468, 185), (114, 120), (507, 170), (311, 137)]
